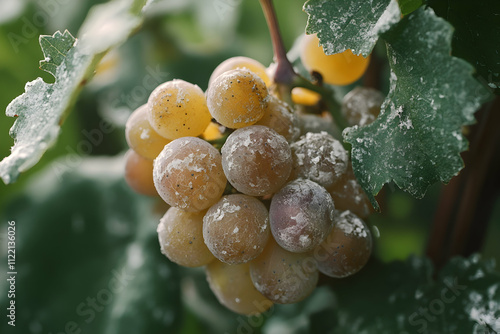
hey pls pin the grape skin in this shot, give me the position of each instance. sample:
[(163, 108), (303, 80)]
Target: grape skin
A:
[(347, 194), (141, 137), (346, 249), (234, 63), (256, 160), (180, 234), (301, 215), (234, 289), (319, 157), (237, 98), (282, 276), (236, 229), (280, 118), (139, 174), (305, 96), (338, 69), (361, 105), (178, 109), (188, 174)]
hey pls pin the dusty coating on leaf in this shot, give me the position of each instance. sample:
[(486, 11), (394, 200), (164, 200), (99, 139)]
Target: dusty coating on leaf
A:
[(188, 174), (256, 160), (417, 139), (354, 25), (319, 157), (301, 215), (235, 229)]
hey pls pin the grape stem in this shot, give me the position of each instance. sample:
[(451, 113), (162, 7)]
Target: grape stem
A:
[(285, 76)]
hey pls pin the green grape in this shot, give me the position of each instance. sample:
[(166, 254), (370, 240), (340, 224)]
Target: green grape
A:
[(338, 69), (141, 137), (280, 118), (256, 160), (233, 287), (234, 63), (180, 234), (178, 109), (237, 98), (301, 215), (282, 276), (236, 229), (188, 174), (139, 174), (319, 157), (346, 249), (361, 105), (347, 194)]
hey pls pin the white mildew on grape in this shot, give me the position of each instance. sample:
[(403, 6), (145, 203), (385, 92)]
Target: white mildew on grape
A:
[(301, 215), (188, 174), (361, 106), (350, 224), (319, 157), (256, 160), (145, 134), (232, 228)]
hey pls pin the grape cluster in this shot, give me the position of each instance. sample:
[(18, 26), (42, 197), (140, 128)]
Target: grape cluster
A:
[(267, 211)]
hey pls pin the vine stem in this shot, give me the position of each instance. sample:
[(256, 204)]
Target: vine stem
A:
[(284, 73)]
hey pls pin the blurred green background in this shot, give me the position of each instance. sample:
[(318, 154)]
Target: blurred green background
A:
[(78, 225)]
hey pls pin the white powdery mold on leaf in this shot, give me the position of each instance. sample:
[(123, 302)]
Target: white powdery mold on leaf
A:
[(416, 140), (43, 107), (355, 24)]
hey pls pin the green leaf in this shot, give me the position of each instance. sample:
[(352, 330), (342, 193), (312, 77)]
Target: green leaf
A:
[(477, 35), (417, 139), (399, 297), (350, 24), (87, 255), (43, 107), (408, 6)]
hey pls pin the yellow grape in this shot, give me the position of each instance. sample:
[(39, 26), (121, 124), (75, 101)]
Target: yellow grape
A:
[(234, 63), (233, 287), (237, 98), (212, 132), (178, 109), (139, 173), (188, 174), (305, 96), (141, 137), (338, 69), (236, 229), (180, 234), (280, 118)]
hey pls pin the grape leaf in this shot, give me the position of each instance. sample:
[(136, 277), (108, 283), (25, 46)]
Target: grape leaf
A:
[(350, 24), (400, 297), (43, 107), (88, 256), (477, 35), (417, 139)]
